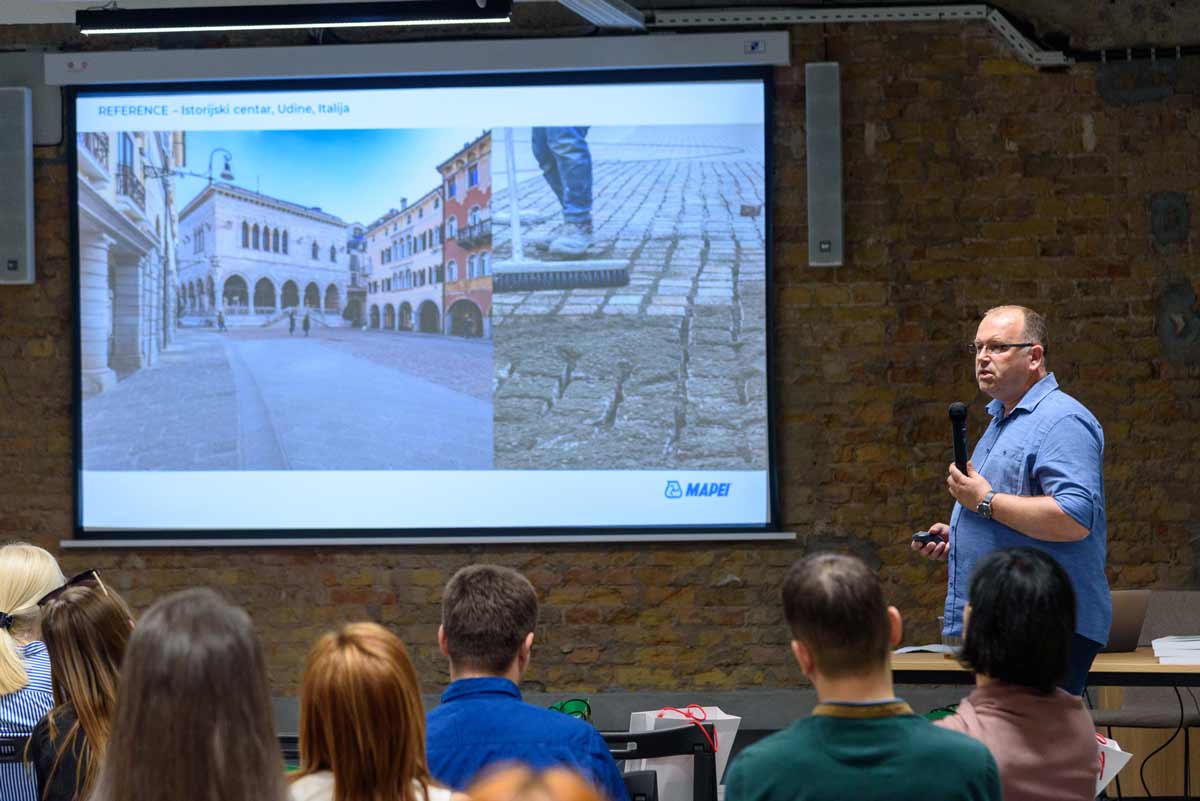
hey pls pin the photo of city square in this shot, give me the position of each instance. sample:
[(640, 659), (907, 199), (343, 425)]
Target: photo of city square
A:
[(285, 300), (629, 321)]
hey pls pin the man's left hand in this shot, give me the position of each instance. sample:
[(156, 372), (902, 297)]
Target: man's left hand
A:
[(967, 489)]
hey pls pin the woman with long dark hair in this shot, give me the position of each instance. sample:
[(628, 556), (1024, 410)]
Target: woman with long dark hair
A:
[(193, 719), (86, 628)]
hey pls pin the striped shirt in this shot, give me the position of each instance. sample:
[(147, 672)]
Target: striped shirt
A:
[(19, 713)]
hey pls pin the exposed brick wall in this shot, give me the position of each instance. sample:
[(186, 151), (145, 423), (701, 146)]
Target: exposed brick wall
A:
[(971, 181)]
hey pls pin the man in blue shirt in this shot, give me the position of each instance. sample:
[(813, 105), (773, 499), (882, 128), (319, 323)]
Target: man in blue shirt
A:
[(488, 617), (1035, 479)]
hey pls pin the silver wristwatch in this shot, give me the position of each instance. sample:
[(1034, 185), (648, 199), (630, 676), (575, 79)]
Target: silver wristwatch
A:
[(984, 509)]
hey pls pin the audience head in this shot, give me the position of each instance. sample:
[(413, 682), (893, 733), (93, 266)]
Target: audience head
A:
[(27, 572), (1022, 618), (488, 617), (86, 628), (193, 714), (519, 783), (361, 715), (840, 624)]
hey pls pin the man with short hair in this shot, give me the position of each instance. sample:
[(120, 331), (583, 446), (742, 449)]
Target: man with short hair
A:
[(488, 617), (861, 741), (1035, 479)]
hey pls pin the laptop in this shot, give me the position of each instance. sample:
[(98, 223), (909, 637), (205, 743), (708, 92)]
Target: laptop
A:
[(1128, 615)]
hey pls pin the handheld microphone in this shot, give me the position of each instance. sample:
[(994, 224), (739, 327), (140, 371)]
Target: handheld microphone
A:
[(958, 424)]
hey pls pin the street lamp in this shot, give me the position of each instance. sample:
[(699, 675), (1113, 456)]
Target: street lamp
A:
[(226, 174)]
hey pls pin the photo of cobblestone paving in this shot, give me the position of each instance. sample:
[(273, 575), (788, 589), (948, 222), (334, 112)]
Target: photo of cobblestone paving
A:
[(259, 399), (669, 371)]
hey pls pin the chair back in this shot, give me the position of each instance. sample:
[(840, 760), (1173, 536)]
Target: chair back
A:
[(679, 741), (642, 785)]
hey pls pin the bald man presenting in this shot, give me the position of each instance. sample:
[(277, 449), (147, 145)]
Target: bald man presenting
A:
[(1034, 479)]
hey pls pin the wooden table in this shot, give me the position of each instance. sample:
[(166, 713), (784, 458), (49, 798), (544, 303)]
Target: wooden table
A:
[(1138, 668)]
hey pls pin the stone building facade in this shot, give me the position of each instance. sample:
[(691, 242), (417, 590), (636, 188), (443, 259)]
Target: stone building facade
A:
[(249, 254), (126, 257)]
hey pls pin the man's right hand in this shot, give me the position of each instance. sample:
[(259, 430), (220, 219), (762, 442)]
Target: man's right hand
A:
[(937, 551)]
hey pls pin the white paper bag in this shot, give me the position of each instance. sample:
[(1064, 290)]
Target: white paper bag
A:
[(675, 773), (1112, 759)]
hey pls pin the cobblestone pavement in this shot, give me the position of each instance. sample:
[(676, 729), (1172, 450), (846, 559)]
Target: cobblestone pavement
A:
[(668, 371), (248, 399)]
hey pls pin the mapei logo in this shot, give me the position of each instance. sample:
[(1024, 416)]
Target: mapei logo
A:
[(698, 489)]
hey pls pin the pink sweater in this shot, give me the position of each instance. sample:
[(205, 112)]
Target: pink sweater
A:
[(1044, 745)]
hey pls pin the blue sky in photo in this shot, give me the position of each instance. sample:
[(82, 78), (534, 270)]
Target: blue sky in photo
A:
[(356, 175)]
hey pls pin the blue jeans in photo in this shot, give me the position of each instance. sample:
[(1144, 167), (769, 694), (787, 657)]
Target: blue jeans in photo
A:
[(566, 164)]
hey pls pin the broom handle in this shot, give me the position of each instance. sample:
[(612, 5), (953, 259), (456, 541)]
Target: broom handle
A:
[(510, 167)]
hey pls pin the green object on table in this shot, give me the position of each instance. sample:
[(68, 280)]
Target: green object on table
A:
[(941, 712), (575, 707)]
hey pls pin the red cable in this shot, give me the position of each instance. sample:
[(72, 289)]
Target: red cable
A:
[(695, 718)]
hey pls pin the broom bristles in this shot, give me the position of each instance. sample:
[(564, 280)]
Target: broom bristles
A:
[(560, 279)]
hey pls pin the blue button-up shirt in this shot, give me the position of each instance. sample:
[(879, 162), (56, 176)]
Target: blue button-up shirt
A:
[(482, 722), (1050, 444)]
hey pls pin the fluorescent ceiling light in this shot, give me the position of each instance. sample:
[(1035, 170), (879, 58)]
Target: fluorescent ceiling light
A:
[(607, 13), (275, 17)]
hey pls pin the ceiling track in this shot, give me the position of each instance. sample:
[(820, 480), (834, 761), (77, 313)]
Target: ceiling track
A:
[(1026, 49)]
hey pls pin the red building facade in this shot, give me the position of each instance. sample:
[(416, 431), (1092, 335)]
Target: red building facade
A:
[(467, 225)]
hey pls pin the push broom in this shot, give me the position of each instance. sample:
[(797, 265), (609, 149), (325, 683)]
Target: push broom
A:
[(521, 274)]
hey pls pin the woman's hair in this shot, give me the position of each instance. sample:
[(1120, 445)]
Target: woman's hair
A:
[(85, 629), (519, 783), (27, 572), (1022, 619), (361, 716), (193, 718)]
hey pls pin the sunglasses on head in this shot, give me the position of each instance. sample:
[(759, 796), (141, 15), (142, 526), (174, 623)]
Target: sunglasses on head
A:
[(86, 577)]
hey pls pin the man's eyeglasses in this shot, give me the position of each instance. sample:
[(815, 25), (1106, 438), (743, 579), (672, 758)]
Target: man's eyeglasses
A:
[(996, 348), (86, 577)]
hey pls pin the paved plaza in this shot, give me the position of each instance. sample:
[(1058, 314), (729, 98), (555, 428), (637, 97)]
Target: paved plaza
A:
[(668, 371), (259, 399)]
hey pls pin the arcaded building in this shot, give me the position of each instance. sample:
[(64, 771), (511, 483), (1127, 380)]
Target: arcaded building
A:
[(251, 254)]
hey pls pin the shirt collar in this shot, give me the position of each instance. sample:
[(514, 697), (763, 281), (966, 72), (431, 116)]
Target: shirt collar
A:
[(1029, 401), (486, 685), (868, 711), (33, 648)]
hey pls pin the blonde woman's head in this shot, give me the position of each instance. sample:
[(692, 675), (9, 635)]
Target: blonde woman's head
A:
[(27, 572)]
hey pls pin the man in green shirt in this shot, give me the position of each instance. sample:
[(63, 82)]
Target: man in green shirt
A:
[(861, 742)]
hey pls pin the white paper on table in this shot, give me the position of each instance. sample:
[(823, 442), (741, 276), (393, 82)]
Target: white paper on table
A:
[(1112, 759)]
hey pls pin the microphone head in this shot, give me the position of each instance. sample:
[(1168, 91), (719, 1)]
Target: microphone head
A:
[(958, 411)]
